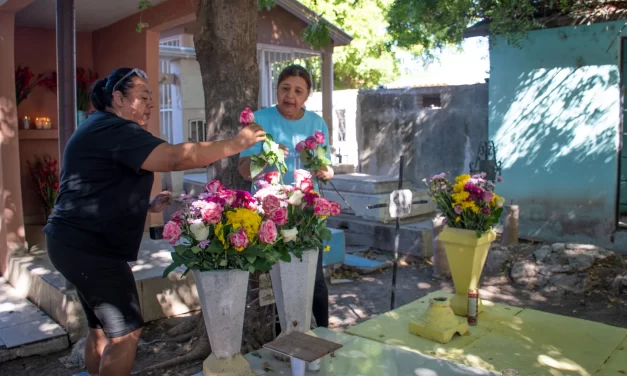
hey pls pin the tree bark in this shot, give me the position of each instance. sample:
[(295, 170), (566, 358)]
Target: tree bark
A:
[(226, 49)]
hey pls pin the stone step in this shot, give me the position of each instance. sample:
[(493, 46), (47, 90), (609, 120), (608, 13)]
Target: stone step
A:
[(415, 236), (24, 329), (363, 265), (368, 184)]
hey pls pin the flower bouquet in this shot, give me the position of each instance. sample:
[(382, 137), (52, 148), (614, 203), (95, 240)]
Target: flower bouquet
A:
[(43, 171), (299, 212), (471, 209), (221, 229), (25, 82), (222, 236), (313, 152), (469, 204), (272, 154)]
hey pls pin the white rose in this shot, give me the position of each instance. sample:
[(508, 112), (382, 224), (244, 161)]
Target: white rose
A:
[(296, 198), (200, 231), (500, 202), (289, 235)]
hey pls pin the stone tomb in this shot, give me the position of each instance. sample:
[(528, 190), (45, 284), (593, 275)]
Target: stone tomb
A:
[(361, 190)]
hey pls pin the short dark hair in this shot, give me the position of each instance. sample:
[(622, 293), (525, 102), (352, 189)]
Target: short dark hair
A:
[(102, 91), (296, 70)]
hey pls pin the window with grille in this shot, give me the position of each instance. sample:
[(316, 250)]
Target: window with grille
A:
[(197, 130)]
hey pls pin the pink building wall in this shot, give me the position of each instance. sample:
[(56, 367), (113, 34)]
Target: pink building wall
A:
[(36, 48)]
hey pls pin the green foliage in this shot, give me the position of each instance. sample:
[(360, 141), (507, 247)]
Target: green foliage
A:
[(316, 34), (272, 155), (265, 4), (368, 60), (429, 25)]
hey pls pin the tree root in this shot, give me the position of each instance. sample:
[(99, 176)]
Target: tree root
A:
[(200, 350)]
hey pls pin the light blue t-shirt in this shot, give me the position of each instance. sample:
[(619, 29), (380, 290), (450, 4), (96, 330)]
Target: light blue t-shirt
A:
[(288, 133)]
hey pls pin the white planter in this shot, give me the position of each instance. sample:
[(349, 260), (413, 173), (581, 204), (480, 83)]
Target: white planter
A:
[(293, 287), (222, 296)]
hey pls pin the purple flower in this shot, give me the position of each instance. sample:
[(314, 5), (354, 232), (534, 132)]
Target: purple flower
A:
[(203, 244), (475, 192), (500, 179), (487, 196), (486, 210), (458, 209)]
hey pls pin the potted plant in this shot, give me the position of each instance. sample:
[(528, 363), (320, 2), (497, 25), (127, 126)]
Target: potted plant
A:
[(222, 236), (43, 171), (471, 209), (25, 82)]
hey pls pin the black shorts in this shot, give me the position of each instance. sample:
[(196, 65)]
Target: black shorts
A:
[(105, 286)]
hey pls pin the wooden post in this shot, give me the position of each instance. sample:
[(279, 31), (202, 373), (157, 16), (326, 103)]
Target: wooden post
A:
[(66, 76), (510, 229), (327, 91)]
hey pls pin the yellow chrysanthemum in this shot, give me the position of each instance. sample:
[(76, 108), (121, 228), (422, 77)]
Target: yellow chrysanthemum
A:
[(219, 233), (246, 218), (327, 248), (462, 179), (495, 198), (460, 197), (458, 219), (457, 188)]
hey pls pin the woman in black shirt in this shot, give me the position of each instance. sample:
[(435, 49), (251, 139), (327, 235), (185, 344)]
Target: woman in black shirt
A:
[(103, 202)]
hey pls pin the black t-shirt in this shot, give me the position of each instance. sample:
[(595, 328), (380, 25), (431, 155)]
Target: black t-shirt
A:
[(104, 194)]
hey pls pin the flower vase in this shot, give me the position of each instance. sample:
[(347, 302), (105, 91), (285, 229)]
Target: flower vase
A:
[(439, 322), (466, 256), (81, 116), (222, 295), (293, 287)]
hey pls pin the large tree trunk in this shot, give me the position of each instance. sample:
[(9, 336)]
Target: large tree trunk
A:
[(226, 48)]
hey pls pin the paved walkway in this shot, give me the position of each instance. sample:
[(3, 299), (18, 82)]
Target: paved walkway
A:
[(24, 329)]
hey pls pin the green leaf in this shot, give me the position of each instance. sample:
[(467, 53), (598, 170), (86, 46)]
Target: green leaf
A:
[(170, 268), (196, 249), (265, 4), (180, 249), (223, 262), (286, 257), (251, 258), (215, 247), (325, 234), (256, 166)]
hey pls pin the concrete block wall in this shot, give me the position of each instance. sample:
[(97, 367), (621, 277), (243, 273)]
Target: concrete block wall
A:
[(443, 138)]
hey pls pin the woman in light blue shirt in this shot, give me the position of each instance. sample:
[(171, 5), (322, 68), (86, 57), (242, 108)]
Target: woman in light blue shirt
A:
[(289, 123)]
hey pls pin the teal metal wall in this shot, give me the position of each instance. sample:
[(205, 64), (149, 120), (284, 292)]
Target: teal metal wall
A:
[(555, 115)]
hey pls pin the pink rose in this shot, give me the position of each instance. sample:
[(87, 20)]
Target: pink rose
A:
[(214, 187), (319, 137), (300, 175), (310, 143), (300, 146), (306, 185), (238, 239), (228, 196), (270, 204), (267, 232), (178, 217), (279, 216), (272, 177), (335, 208), (246, 117), (172, 232), (322, 207), (212, 212)]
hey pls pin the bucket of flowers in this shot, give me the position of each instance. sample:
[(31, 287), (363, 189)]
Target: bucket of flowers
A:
[(222, 236)]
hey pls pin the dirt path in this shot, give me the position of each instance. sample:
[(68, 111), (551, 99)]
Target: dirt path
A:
[(357, 301)]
